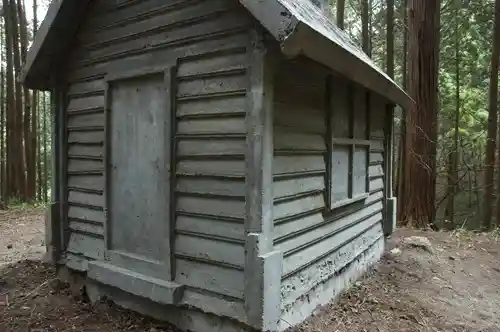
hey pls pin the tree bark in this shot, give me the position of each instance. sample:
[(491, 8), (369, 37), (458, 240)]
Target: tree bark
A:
[(28, 116), (402, 139), (365, 38), (453, 155), (490, 159), (11, 137), (390, 71), (45, 152), (34, 122), (3, 179), (390, 38), (421, 127), (340, 14), (19, 128)]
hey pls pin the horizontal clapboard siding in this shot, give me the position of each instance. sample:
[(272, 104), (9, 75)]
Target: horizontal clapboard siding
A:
[(316, 243), (210, 172), (208, 41)]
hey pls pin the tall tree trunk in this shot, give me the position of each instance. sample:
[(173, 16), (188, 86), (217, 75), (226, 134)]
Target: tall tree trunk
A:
[(390, 38), (3, 179), (340, 14), (365, 38), (421, 127), (28, 147), (45, 152), (34, 121), (453, 155), (402, 139), (492, 124), (10, 114), (19, 128), (390, 71), (3, 188)]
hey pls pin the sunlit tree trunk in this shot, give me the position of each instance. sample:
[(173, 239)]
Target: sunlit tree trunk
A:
[(421, 126), (453, 155), (492, 124), (365, 37), (19, 128), (402, 139), (340, 14)]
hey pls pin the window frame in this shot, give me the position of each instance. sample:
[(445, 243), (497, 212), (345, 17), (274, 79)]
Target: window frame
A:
[(352, 142)]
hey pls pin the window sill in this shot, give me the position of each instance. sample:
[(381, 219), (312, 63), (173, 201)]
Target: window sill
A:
[(345, 203)]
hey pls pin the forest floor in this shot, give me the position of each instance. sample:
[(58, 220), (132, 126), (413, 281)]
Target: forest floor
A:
[(455, 286)]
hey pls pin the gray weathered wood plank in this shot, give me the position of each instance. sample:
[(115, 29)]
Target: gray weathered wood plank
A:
[(211, 147), (210, 250), (301, 205), (86, 198), (213, 278), (233, 125), (312, 253), (211, 206), (235, 104), (208, 186), (87, 246), (90, 182), (210, 226), (86, 214), (290, 187), (211, 85)]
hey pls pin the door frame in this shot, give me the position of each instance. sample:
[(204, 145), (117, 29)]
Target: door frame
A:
[(122, 259)]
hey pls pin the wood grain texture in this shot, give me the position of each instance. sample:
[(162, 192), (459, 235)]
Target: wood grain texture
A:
[(307, 233), (208, 43)]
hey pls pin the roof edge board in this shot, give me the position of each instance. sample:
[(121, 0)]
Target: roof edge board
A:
[(41, 36), (317, 47), (266, 11)]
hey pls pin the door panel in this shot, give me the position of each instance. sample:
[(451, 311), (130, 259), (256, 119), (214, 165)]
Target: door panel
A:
[(139, 162)]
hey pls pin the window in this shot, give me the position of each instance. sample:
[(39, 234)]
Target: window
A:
[(348, 144)]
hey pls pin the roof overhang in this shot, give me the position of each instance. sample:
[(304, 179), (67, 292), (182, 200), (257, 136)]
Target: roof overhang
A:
[(302, 28), (298, 25), (51, 43)]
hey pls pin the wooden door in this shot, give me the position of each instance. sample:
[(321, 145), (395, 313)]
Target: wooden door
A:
[(138, 177)]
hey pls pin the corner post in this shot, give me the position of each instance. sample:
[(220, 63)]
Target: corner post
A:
[(391, 201), (262, 265)]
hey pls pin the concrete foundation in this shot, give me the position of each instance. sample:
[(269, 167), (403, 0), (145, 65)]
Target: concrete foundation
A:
[(332, 288), (184, 318)]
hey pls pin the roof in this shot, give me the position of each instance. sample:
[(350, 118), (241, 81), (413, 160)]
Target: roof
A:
[(299, 26)]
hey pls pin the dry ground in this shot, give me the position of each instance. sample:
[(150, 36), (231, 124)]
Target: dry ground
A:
[(457, 288)]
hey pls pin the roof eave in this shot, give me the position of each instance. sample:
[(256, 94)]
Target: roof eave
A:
[(317, 47), (51, 42)]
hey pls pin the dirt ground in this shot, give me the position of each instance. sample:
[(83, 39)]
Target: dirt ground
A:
[(454, 288)]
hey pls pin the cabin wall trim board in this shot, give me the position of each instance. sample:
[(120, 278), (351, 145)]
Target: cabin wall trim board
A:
[(262, 264), (390, 204)]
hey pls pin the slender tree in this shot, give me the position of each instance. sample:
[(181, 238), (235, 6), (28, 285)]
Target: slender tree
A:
[(10, 114), (35, 125), (340, 14), (453, 155), (421, 125), (45, 150), (402, 140), (390, 38), (365, 37), (492, 124), (27, 112), (3, 179), (18, 101)]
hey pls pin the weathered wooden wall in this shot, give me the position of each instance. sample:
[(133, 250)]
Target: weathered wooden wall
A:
[(207, 43), (317, 243)]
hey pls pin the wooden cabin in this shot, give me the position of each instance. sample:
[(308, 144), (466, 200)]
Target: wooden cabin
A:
[(224, 165)]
